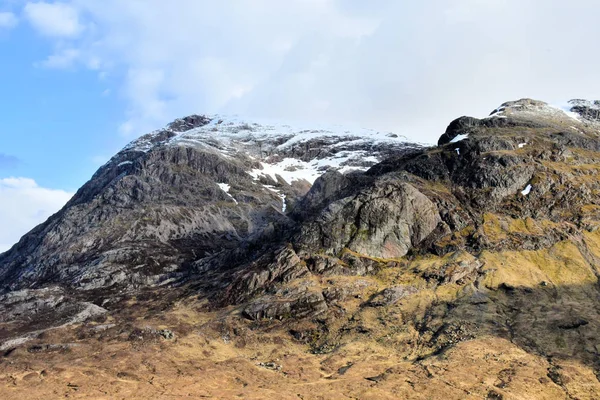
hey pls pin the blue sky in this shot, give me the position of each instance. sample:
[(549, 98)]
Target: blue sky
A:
[(81, 78), (55, 123)]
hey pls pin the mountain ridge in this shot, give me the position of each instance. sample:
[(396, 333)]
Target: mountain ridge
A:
[(469, 268)]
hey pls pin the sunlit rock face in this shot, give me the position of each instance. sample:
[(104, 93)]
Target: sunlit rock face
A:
[(322, 262)]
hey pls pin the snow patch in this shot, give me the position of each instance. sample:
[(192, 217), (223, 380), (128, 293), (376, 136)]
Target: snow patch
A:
[(290, 169), (225, 187), (458, 138), (274, 145), (566, 110), (281, 195)]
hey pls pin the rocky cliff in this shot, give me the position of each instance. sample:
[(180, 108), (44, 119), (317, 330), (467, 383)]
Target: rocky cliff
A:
[(283, 257)]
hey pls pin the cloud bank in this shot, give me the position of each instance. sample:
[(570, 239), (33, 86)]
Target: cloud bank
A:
[(408, 67), (23, 205), (53, 19)]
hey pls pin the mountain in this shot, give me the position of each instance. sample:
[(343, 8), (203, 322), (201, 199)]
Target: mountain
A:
[(223, 258), (177, 195)]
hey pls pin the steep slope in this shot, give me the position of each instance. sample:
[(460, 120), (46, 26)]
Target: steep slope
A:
[(199, 186), (466, 270)]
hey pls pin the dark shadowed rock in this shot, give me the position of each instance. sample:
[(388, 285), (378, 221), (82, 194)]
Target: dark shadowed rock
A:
[(295, 304)]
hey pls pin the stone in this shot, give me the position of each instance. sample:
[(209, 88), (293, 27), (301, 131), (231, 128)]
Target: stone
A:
[(391, 295), (383, 221)]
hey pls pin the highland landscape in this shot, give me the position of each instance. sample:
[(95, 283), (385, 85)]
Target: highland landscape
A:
[(228, 258)]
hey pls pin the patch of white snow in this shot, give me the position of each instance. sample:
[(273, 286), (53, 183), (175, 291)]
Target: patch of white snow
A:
[(566, 109), (458, 138), (225, 187), (281, 195)]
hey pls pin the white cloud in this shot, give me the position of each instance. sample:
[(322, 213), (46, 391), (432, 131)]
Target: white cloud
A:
[(409, 67), (23, 205), (65, 58), (8, 20), (54, 19)]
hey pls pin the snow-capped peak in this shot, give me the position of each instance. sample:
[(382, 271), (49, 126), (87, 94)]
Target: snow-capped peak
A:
[(576, 110), (294, 152)]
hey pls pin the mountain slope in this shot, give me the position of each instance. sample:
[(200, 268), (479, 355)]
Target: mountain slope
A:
[(201, 185), (466, 270)]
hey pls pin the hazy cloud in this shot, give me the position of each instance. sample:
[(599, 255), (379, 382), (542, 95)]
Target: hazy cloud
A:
[(64, 58), (8, 20), (408, 67), (23, 205), (54, 19), (8, 162)]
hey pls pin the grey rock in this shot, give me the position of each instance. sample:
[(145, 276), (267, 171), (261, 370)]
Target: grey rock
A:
[(167, 334), (269, 270), (589, 110), (155, 212), (391, 295), (383, 221), (293, 305), (453, 272), (158, 214), (270, 365)]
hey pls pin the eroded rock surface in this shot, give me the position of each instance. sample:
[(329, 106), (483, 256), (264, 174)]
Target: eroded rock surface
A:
[(466, 269)]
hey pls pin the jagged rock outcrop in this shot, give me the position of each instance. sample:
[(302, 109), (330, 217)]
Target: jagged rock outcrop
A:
[(480, 256), (201, 186), (297, 304), (391, 296), (383, 221)]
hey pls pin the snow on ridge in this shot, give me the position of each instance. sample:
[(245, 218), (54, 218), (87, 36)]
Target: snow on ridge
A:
[(225, 187), (458, 138), (229, 130), (566, 109), (280, 194), (594, 105), (274, 145), (290, 169), (534, 107)]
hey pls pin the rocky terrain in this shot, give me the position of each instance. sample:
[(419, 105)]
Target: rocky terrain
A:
[(218, 258)]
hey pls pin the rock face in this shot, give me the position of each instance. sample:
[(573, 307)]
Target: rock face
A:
[(341, 241), (385, 220), (588, 110), (391, 296), (174, 197)]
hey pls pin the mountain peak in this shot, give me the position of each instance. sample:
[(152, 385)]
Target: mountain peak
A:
[(579, 110), (482, 252), (293, 151), (579, 115), (188, 123)]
